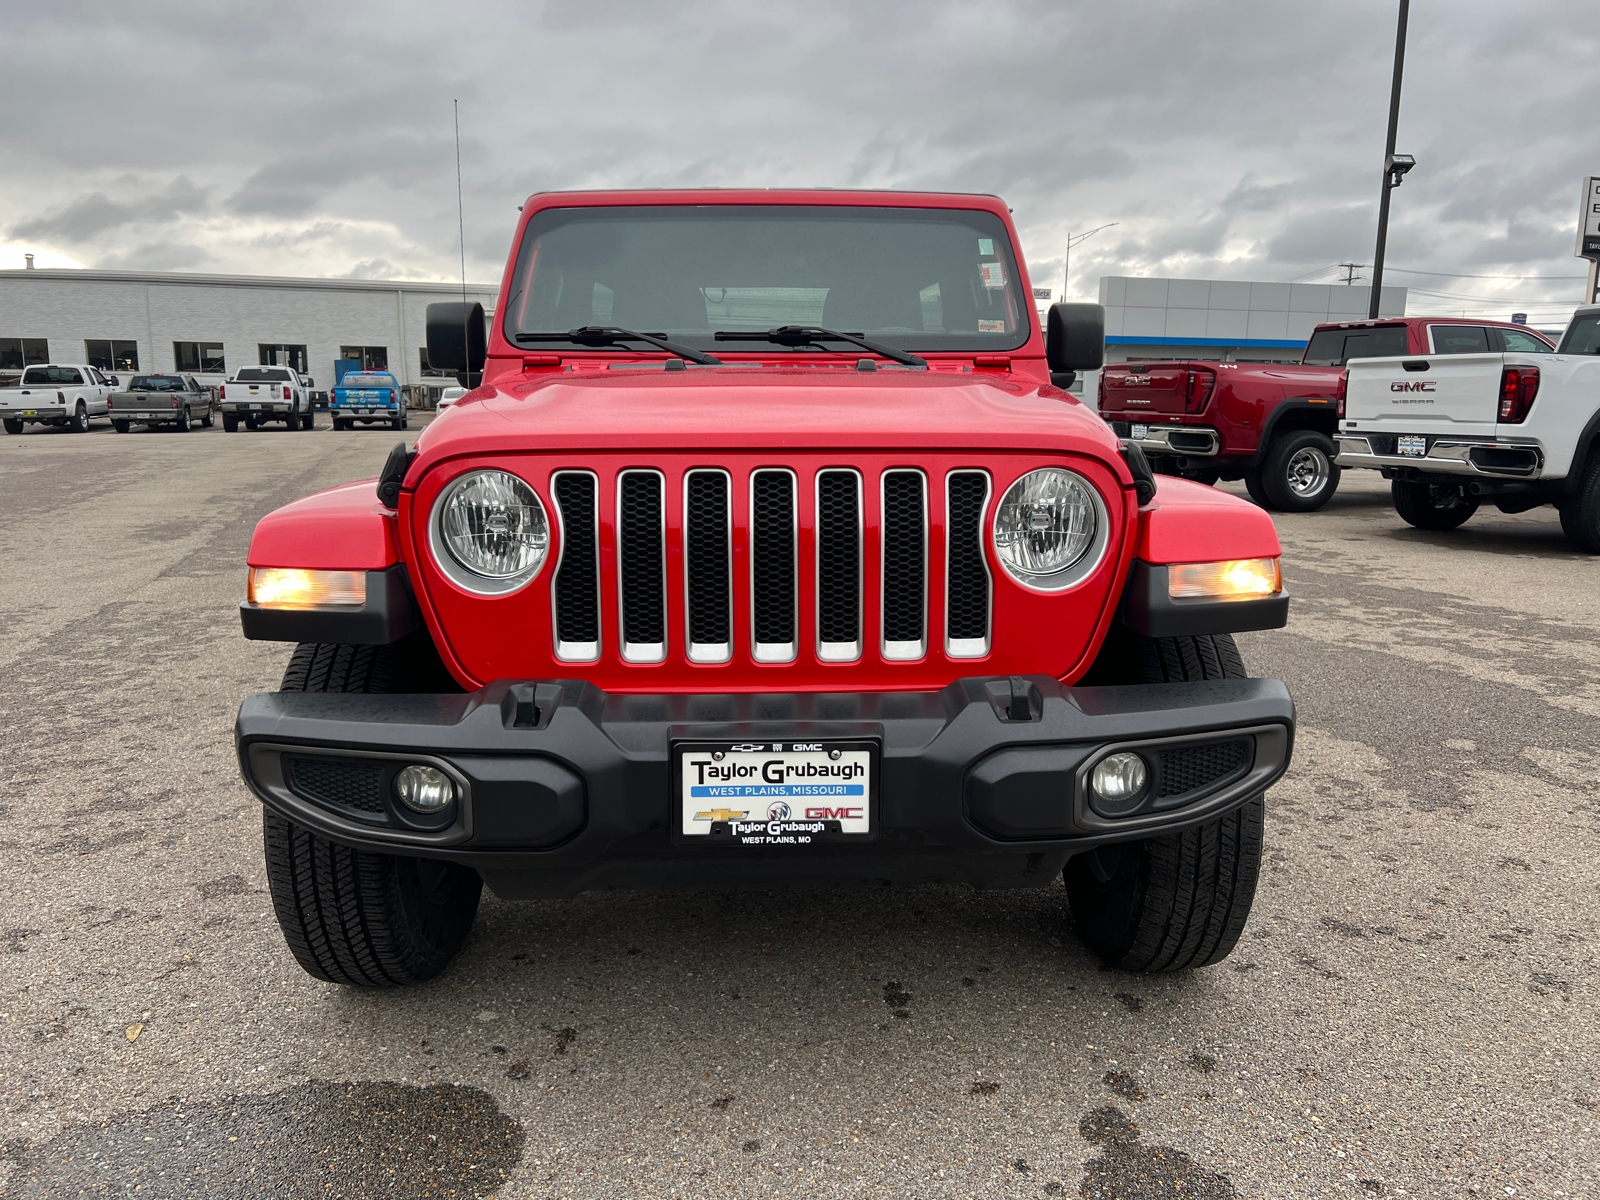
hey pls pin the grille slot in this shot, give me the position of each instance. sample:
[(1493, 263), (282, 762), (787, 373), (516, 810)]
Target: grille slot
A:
[(576, 589), (641, 566), (339, 783), (905, 565), (708, 571), (774, 597), (967, 588), (1193, 768), (838, 566)]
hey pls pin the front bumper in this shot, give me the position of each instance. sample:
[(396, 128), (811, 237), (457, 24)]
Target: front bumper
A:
[(565, 788), (1493, 457), (1192, 441)]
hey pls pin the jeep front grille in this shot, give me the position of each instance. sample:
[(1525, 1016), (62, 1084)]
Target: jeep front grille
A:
[(772, 564)]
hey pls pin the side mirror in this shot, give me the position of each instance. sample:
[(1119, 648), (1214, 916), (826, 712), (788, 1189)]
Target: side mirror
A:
[(310, 382), (456, 339), (1074, 340)]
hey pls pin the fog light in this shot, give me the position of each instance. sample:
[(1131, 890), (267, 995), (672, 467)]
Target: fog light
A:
[(1236, 579), (425, 790), (1118, 778)]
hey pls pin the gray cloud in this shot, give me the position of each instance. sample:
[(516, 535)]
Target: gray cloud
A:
[(96, 213)]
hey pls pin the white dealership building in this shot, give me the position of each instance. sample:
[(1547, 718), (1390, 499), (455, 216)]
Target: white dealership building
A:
[(211, 325)]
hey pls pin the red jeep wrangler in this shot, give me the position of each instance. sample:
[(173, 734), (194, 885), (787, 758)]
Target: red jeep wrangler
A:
[(767, 555), (1272, 425)]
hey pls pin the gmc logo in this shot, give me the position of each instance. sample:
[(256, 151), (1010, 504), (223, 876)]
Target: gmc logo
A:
[(1136, 381), (1419, 386), (833, 814)]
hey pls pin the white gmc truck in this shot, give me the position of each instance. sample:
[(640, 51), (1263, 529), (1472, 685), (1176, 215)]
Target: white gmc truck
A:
[(1452, 431), (55, 394)]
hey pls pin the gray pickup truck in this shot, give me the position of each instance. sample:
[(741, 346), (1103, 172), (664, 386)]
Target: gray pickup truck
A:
[(161, 400)]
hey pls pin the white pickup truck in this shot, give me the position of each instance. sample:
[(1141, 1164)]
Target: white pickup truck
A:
[(257, 394), (1453, 431), (55, 394)]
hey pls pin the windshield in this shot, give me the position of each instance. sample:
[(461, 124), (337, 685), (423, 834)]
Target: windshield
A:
[(916, 279), (156, 383), (1335, 347), (367, 381), (1583, 335), (51, 375), (262, 375)]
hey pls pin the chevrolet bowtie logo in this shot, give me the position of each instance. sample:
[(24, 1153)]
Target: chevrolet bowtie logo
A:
[(719, 814)]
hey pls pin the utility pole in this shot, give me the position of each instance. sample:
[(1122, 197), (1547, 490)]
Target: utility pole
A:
[(1350, 270), (1072, 240), (1394, 166)]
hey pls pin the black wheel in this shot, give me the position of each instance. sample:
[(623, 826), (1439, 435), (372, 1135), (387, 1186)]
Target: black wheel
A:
[(230, 423), (1436, 506), (122, 426), (405, 420), (353, 916), (1580, 514), (291, 422), (209, 420), (184, 421), (309, 420), (252, 422), (13, 426), (1298, 473), (80, 419), (1252, 484), (1180, 901)]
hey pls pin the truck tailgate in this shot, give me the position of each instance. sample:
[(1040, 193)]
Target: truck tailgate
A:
[(1441, 393), (1146, 387)]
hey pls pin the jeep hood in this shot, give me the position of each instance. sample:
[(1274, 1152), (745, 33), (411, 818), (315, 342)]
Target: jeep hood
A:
[(768, 408)]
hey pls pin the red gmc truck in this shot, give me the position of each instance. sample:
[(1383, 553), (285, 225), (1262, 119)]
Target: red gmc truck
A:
[(1275, 426), (769, 554)]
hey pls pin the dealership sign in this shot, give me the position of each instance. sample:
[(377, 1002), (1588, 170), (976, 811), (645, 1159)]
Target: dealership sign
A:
[(1589, 220)]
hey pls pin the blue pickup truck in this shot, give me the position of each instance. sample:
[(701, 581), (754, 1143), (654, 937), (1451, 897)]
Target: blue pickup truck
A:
[(368, 397)]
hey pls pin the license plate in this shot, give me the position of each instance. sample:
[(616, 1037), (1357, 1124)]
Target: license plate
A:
[(30, 412), (779, 793), (1412, 445), (258, 406), (1139, 431)]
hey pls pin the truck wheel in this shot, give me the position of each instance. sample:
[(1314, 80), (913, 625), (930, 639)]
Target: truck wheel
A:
[(1580, 515), (291, 422), (1253, 485), (184, 422), (1298, 472), (1432, 505), (208, 421), (1180, 901), (309, 420), (80, 419), (353, 916), (230, 423), (13, 426), (122, 426), (252, 422)]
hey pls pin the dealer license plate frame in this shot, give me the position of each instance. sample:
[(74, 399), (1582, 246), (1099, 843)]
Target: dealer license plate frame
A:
[(798, 832)]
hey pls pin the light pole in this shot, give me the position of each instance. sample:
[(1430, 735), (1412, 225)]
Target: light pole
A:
[(1394, 165), (1072, 240)]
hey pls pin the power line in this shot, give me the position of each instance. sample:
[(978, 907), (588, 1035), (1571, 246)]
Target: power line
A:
[(1459, 275)]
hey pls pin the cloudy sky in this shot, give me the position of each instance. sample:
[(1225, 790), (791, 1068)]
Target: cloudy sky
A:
[(1238, 140)]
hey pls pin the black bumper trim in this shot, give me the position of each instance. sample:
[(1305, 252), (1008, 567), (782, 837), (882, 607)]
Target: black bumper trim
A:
[(389, 614), (618, 747), (1147, 608)]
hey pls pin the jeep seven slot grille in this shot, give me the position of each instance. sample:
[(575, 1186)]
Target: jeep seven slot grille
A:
[(771, 565)]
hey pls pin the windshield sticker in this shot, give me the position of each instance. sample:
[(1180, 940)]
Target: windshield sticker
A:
[(991, 326), (994, 274), (985, 245)]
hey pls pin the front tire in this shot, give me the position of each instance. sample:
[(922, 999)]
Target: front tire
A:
[(1180, 901), (208, 421), (1298, 472), (1432, 506), (353, 916)]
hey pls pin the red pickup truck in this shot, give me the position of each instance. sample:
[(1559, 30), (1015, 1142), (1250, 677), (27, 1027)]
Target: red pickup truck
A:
[(770, 554), (1274, 426)]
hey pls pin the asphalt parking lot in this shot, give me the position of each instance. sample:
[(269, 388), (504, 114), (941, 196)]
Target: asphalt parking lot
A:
[(1412, 1010)]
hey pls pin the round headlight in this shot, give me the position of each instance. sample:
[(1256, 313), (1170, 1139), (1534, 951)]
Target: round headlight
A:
[(492, 532), (1050, 529)]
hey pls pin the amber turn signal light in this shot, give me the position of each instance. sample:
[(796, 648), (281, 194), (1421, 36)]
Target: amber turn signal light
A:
[(1236, 579), (292, 587)]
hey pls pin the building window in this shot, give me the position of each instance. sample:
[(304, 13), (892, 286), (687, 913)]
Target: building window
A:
[(205, 357), (112, 356), (16, 353), (371, 358), (431, 372), (278, 355)]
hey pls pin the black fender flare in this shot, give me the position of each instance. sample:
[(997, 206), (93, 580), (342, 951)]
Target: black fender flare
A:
[(1296, 404), (1580, 457)]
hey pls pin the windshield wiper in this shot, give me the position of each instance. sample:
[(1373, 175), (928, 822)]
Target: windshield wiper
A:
[(611, 335), (805, 335)]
